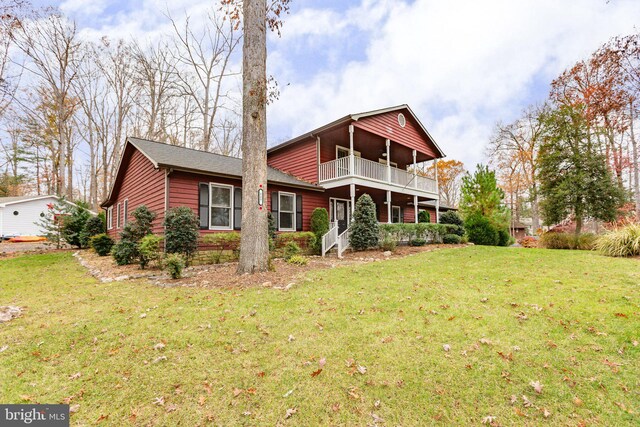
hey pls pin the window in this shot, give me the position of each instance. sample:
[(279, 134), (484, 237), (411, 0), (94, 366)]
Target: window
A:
[(344, 152), (287, 219), (395, 214), (402, 121), (126, 212), (221, 197), (109, 217), (118, 216)]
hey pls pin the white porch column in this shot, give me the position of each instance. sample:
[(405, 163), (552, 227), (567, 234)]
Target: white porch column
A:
[(415, 170), (388, 202), (388, 161), (318, 155), (438, 210), (351, 156), (415, 209), (352, 191), (437, 192)]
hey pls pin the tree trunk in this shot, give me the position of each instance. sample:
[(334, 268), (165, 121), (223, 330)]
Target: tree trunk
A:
[(578, 224), (634, 162), (254, 244)]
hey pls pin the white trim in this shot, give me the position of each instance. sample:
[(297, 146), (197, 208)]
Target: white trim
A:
[(332, 200), (110, 218), (231, 189), (400, 219), (280, 211), (355, 153), (125, 211), (118, 223)]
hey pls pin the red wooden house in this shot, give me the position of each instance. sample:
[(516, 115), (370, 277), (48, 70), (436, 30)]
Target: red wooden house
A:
[(374, 152)]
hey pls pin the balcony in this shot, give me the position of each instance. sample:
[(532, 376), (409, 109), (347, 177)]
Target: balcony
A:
[(336, 171)]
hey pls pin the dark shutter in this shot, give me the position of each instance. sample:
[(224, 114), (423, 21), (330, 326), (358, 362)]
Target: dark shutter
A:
[(237, 208), (298, 212), (274, 208), (401, 219), (203, 205)]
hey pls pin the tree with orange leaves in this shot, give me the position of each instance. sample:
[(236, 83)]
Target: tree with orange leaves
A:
[(449, 180)]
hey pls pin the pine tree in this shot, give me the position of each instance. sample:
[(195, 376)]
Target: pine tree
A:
[(364, 228), (51, 222), (573, 173)]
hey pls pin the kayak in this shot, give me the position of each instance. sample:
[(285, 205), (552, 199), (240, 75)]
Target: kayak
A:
[(24, 239)]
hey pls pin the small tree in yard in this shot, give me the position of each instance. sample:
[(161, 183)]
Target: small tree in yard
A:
[(181, 232), (364, 228), (93, 227), (319, 226), (72, 226), (126, 250), (52, 222)]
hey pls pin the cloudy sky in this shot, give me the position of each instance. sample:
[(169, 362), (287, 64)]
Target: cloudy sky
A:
[(461, 65)]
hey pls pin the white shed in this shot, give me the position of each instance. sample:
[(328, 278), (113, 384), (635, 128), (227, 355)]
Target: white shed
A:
[(19, 215)]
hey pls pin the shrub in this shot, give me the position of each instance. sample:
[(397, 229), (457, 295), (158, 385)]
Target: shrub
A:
[(226, 241), (407, 232), (480, 230), (181, 232), (417, 242), (272, 229), (297, 260), (174, 264), (291, 249), (102, 244), (364, 228), (424, 217), (504, 237), (586, 242), (92, 227), (451, 217), (553, 240), (621, 242), (451, 239), (304, 239), (73, 225), (528, 242), (319, 227), (125, 252), (149, 249), (388, 244)]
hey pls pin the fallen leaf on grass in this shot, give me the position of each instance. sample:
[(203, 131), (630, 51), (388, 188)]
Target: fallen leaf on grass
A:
[(101, 418), (75, 376), (622, 315), (613, 365), (537, 386), (316, 373), (322, 362), (376, 419), (202, 400), (362, 370), (159, 346), (446, 347), (508, 357), (172, 408), (290, 413), (158, 401), (577, 401), (4, 348), (237, 392), (485, 341), (74, 408), (526, 402), (287, 394), (159, 359), (546, 413), (291, 338), (488, 419)]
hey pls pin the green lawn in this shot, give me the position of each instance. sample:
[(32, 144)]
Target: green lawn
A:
[(568, 320)]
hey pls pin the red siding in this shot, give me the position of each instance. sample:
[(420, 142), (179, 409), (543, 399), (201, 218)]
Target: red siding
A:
[(141, 184), (300, 160), (386, 125), (183, 191)]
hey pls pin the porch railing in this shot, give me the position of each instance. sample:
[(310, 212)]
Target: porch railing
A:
[(363, 168), (343, 241), (330, 239)]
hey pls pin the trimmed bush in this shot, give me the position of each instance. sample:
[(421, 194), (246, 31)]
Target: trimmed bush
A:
[(319, 227), (451, 239), (528, 242), (291, 249), (297, 260), (504, 237), (226, 241), (364, 228), (621, 242), (125, 252), (174, 264), (388, 244), (102, 244), (406, 232), (73, 225), (552, 240), (304, 239), (451, 217), (424, 217), (149, 249), (480, 231), (181, 232), (92, 227), (417, 242)]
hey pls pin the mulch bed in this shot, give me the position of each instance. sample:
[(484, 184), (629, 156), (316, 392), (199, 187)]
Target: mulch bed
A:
[(224, 275)]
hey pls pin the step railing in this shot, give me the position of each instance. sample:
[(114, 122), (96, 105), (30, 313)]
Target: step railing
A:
[(343, 241), (330, 239)]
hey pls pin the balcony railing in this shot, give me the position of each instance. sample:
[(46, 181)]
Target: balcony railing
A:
[(363, 168)]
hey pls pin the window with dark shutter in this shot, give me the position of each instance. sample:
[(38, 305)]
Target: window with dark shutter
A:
[(203, 205), (237, 208), (298, 212), (274, 208)]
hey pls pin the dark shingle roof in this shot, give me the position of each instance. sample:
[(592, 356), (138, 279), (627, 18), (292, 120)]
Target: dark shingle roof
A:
[(165, 155)]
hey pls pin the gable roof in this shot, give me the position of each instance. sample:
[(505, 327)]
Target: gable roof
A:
[(355, 117), (19, 199)]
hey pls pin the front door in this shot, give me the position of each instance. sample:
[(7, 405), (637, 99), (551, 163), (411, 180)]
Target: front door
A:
[(342, 215)]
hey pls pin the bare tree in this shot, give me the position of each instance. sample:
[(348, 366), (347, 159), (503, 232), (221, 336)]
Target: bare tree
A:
[(204, 60), (51, 45)]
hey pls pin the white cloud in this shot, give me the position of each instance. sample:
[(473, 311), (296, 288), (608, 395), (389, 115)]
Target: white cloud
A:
[(461, 65)]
